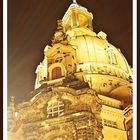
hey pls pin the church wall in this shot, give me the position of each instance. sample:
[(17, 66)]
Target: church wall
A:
[(114, 134)]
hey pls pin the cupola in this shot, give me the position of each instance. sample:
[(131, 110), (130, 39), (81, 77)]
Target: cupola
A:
[(77, 16)]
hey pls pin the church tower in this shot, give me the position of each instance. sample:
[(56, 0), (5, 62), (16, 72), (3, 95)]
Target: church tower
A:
[(83, 87)]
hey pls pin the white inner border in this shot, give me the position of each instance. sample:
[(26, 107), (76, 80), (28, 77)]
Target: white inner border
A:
[(5, 69), (134, 69)]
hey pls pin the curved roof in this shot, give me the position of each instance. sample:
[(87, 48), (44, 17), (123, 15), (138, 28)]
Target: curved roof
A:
[(96, 49)]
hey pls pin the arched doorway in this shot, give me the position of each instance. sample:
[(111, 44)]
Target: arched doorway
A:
[(56, 73), (56, 70)]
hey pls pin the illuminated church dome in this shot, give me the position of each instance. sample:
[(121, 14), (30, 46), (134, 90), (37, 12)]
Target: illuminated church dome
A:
[(77, 24), (82, 90), (100, 63)]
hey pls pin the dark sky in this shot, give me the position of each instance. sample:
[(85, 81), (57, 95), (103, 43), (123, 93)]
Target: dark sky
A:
[(31, 24)]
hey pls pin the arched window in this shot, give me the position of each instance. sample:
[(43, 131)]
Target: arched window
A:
[(55, 108), (111, 56), (56, 73), (59, 59)]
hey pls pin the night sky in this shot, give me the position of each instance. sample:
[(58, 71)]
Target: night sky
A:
[(31, 24)]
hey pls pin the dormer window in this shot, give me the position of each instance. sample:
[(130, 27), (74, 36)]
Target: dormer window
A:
[(111, 56)]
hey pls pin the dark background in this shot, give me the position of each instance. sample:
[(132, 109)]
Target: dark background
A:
[(138, 70), (1, 69), (31, 24)]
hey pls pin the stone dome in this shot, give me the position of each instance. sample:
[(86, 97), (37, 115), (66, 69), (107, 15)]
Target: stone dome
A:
[(103, 65), (96, 50)]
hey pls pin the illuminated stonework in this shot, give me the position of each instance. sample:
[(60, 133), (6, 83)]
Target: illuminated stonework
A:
[(83, 88)]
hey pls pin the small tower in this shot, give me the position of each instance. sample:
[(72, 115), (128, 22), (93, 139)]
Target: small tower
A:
[(77, 16)]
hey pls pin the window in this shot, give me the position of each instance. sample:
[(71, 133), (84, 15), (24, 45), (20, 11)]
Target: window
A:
[(111, 56), (55, 108), (59, 59), (127, 114), (110, 123)]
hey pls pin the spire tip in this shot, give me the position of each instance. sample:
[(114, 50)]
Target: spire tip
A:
[(74, 1)]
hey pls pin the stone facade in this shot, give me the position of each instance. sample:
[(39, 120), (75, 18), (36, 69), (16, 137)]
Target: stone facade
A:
[(67, 109)]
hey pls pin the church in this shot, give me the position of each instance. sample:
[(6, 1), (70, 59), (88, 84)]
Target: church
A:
[(83, 88)]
